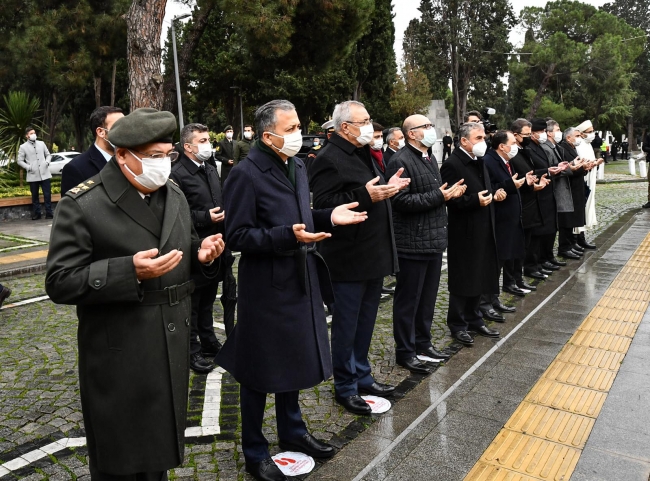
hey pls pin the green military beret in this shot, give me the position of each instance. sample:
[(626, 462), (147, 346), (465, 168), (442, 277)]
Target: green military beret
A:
[(143, 126)]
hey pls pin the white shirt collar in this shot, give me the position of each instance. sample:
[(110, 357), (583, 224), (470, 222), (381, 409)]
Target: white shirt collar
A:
[(106, 155), (195, 162), (470, 155)]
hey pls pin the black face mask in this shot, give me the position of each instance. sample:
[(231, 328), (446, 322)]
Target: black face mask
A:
[(525, 141)]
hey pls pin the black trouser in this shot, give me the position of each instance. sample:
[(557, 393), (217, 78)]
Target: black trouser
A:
[(445, 153), (566, 239), (148, 476), (202, 330), (512, 271), (464, 313), (45, 186), (290, 425), (531, 262), (546, 244), (624, 153), (414, 304)]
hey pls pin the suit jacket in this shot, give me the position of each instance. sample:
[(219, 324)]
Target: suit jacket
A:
[(133, 337), (363, 251), (472, 250), (509, 229), (227, 150), (547, 203), (82, 168), (388, 153), (280, 342)]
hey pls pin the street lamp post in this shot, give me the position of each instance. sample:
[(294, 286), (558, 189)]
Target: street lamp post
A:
[(178, 82), (241, 110)]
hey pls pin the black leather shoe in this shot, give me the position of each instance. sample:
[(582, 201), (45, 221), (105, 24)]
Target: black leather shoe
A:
[(377, 389), (433, 353), (265, 470), (414, 365), (525, 285), (501, 307), (463, 337), (514, 290), (49, 216), (355, 404), (577, 248), (493, 315), (578, 253), (586, 245), (309, 445), (4, 293), (569, 255), (387, 290), (646, 205), (546, 272), (211, 349), (36, 217), (549, 266), (485, 331), (536, 275), (199, 364), (557, 262)]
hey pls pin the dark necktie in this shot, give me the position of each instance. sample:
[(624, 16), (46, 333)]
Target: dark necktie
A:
[(147, 199), (509, 168)]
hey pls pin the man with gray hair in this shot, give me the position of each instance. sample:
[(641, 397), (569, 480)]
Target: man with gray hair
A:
[(280, 343), (359, 256), (395, 141)]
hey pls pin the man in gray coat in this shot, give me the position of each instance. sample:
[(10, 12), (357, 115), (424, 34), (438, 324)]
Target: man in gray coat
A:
[(34, 157)]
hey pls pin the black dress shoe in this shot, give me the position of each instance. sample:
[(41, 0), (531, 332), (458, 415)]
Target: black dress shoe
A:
[(501, 307), (49, 216), (549, 266), (377, 389), (493, 315), (387, 290), (525, 285), (463, 337), (433, 353), (546, 272), (266, 470), (578, 253), (536, 275), (4, 293), (586, 245), (577, 248), (309, 445), (485, 331), (199, 364), (211, 349), (514, 290), (646, 205), (414, 365), (36, 217), (569, 255), (557, 262), (355, 404)]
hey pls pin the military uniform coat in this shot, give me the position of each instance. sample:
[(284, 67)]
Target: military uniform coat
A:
[(133, 353), (227, 150), (472, 251), (280, 342)]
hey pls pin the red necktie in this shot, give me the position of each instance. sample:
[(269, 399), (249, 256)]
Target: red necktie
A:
[(509, 169)]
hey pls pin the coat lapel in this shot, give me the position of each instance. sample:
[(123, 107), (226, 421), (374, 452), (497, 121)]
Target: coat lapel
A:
[(97, 159), (126, 197), (172, 205), (264, 163)]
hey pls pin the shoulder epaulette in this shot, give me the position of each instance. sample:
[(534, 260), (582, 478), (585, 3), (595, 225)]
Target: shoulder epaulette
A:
[(82, 188)]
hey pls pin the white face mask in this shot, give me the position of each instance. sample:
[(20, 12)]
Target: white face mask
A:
[(229, 135), (365, 134), (292, 143), (557, 136), (590, 137), (514, 150), (577, 141), (542, 138), (32, 137), (155, 172), (248, 135), (204, 153), (401, 143), (430, 137), (377, 144), (479, 149)]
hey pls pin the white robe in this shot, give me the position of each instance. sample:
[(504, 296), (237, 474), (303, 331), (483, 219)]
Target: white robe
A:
[(585, 150)]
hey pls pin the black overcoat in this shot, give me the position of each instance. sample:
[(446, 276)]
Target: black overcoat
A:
[(280, 341), (357, 252), (546, 196), (82, 167), (508, 227), (227, 150), (577, 217), (531, 214), (133, 348), (472, 251)]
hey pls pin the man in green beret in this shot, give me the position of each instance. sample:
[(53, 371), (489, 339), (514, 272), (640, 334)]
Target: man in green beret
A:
[(122, 250)]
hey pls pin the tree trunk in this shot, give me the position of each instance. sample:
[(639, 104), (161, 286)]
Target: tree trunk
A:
[(113, 83), (540, 91), (630, 134), (143, 26), (185, 55), (79, 129), (98, 92)]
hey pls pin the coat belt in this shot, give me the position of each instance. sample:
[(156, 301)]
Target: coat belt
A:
[(171, 295), (300, 255)]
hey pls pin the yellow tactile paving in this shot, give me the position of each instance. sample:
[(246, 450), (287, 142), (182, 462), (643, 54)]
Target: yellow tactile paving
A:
[(27, 256), (544, 437)]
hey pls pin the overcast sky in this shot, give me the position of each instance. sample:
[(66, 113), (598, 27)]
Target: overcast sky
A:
[(405, 11)]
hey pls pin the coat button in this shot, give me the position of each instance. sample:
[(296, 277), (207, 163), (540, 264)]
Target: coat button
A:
[(187, 321), (171, 327), (98, 283)]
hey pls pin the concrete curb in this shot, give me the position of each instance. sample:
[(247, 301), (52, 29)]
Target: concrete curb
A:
[(16, 271)]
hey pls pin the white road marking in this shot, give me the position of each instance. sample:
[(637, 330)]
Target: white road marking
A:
[(25, 302)]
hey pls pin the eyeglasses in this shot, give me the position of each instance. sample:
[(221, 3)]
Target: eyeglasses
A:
[(172, 154), (362, 122), (425, 127)]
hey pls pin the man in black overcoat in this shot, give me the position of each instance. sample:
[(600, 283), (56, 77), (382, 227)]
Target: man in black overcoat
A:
[(472, 252), (227, 152), (280, 343), (359, 256), (93, 160), (122, 250), (200, 183)]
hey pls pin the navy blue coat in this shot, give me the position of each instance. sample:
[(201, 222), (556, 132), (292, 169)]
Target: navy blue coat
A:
[(508, 227), (81, 168), (280, 341)]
